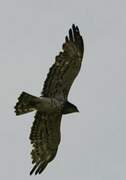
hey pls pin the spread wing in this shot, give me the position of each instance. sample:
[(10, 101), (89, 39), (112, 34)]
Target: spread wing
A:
[(45, 138), (66, 67)]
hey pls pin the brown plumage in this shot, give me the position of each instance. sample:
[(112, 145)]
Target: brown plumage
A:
[(45, 138), (45, 132), (66, 66)]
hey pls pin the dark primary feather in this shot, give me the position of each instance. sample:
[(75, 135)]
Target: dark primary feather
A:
[(45, 138), (66, 66)]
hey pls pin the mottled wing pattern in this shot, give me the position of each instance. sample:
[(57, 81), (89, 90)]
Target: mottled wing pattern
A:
[(66, 66), (45, 138), (45, 132)]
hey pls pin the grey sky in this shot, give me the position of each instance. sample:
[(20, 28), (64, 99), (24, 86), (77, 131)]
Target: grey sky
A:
[(93, 142)]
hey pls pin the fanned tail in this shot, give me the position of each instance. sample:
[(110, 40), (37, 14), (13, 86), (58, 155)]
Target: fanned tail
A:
[(26, 103)]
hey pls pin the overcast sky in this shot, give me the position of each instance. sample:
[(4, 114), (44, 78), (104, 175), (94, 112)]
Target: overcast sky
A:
[(93, 145)]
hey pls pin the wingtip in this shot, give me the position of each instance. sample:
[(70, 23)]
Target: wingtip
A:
[(70, 34), (66, 38), (38, 168), (75, 27), (34, 168)]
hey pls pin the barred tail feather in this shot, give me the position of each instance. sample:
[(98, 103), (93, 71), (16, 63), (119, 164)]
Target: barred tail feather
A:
[(26, 103)]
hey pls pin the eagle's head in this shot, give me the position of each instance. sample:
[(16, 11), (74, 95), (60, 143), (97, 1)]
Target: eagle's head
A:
[(69, 108)]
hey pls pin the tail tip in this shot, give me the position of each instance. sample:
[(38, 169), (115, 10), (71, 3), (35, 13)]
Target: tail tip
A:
[(24, 104)]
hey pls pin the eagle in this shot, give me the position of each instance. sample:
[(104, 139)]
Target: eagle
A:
[(53, 102)]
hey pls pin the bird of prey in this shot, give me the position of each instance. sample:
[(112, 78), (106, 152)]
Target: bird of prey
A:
[(53, 103)]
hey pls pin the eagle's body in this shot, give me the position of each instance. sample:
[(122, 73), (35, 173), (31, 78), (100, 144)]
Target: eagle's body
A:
[(53, 103)]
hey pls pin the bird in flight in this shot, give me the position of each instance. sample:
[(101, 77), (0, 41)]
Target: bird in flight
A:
[(53, 103)]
